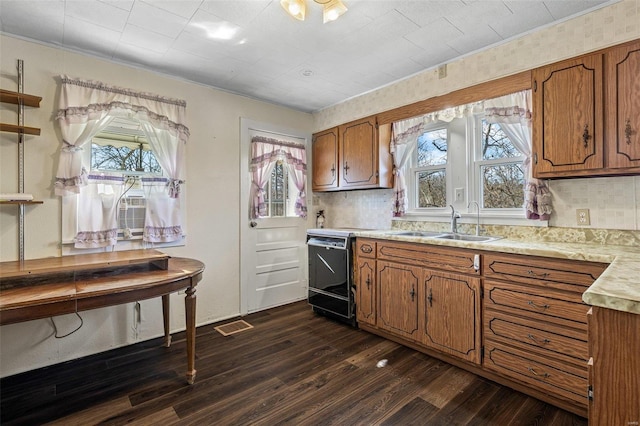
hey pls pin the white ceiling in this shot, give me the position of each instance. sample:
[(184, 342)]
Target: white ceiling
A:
[(373, 44)]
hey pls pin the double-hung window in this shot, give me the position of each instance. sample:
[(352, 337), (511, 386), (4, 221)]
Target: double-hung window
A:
[(464, 160), (499, 173), (430, 169)]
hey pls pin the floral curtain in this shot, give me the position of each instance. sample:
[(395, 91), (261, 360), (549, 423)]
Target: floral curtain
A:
[(513, 113), (404, 140), (98, 227), (86, 107), (265, 152)]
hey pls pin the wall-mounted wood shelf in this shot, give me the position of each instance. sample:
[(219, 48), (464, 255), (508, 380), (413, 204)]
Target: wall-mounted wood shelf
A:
[(21, 99), (16, 97), (21, 202), (13, 128)]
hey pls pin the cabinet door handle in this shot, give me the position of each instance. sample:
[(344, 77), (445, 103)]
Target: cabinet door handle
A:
[(333, 170), (346, 168), (430, 298), (535, 373), (368, 281), (586, 136), (628, 131), (412, 293), (534, 274), (532, 303), (539, 341)]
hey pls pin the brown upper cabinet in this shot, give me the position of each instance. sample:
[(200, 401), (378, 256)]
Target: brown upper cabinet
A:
[(622, 97), (352, 156), (586, 115)]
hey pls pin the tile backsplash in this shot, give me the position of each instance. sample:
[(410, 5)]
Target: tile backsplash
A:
[(613, 203), (370, 209)]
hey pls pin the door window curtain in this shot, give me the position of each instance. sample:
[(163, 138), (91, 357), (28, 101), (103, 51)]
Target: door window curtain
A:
[(86, 107), (513, 113), (265, 152)]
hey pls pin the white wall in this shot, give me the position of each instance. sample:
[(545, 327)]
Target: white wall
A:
[(213, 199), (614, 202)]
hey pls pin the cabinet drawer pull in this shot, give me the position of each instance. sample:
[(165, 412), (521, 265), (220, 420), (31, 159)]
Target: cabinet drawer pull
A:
[(586, 136), (628, 131), (366, 249), (534, 274), (535, 373), (532, 303), (539, 341)]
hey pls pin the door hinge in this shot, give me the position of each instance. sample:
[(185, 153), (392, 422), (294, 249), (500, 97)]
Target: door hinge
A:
[(535, 86), (482, 353), (590, 392)]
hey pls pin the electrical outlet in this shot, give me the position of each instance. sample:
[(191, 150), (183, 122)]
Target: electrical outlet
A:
[(459, 194), (582, 217)]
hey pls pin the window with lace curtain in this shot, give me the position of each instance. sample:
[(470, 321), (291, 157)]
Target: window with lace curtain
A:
[(440, 174)]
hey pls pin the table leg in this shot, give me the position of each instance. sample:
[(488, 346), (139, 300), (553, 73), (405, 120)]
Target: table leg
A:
[(190, 314), (166, 318)]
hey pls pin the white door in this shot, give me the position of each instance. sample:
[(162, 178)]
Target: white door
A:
[(273, 252)]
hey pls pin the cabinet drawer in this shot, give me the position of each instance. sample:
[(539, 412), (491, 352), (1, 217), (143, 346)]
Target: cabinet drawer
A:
[(550, 306), (443, 258), (563, 381), (567, 275), (365, 248), (547, 340)]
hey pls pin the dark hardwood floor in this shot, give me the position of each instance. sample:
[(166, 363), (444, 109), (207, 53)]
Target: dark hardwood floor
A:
[(292, 368)]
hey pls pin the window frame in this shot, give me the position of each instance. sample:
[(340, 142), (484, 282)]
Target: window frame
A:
[(476, 187), (471, 182), (415, 170)]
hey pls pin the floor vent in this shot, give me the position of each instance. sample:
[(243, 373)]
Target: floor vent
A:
[(233, 327)]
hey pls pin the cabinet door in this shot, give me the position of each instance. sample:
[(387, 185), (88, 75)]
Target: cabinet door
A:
[(366, 291), (325, 160), (359, 154), (398, 295), (568, 117), (623, 106), (450, 308)]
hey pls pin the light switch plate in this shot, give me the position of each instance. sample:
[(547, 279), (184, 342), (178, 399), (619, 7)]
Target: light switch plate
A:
[(582, 217)]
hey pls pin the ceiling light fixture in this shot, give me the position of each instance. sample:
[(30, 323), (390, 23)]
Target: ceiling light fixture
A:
[(331, 9)]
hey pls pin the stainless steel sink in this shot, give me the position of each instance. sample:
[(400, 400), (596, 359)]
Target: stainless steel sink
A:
[(466, 237), (427, 234)]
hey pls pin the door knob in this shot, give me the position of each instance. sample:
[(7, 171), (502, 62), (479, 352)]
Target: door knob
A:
[(253, 224)]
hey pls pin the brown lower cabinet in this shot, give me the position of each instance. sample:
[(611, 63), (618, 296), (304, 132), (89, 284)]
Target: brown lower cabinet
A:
[(614, 349), (515, 319)]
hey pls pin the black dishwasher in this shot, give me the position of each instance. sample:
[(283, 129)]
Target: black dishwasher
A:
[(330, 273)]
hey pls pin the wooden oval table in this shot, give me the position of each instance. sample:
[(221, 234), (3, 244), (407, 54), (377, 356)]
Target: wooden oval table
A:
[(42, 288)]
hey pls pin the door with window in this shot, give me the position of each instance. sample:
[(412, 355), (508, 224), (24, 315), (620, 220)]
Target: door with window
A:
[(272, 232)]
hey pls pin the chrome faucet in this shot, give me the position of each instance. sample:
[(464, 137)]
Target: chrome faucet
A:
[(454, 219), (477, 215)]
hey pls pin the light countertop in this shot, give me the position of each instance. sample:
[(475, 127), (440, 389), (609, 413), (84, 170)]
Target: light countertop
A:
[(617, 288)]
